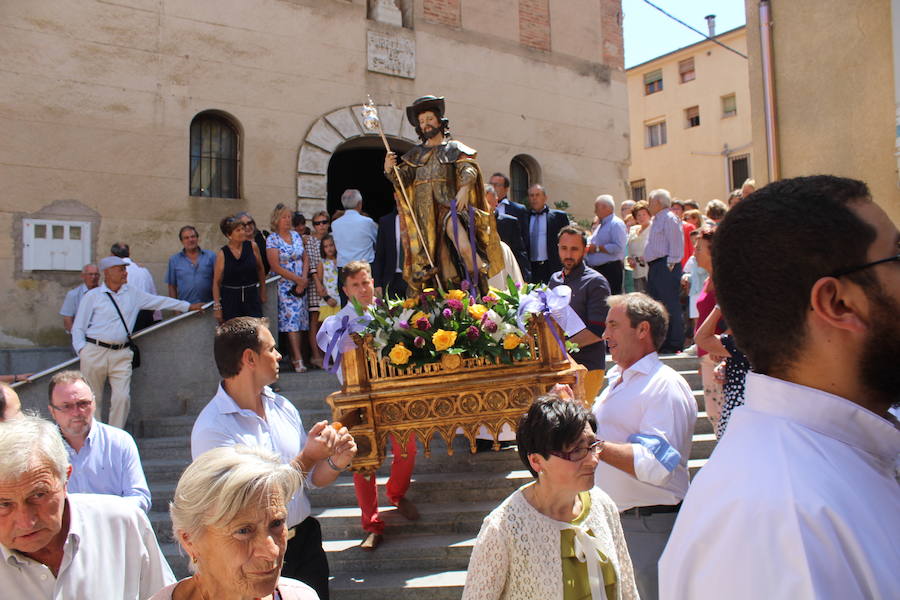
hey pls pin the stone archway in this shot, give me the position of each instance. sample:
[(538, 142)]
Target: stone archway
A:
[(326, 135)]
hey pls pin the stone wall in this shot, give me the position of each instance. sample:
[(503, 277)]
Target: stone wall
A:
[(98, 99)]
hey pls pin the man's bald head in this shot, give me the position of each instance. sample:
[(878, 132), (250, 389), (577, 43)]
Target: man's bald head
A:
[(10, 406)]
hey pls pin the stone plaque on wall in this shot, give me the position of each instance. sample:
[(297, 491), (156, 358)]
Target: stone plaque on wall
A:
[(392, 53)]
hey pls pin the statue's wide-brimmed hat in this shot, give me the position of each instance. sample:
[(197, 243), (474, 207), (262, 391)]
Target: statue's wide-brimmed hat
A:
[(433, 103)]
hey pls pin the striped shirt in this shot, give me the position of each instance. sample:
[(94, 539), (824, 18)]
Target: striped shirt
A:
[(665, 238)]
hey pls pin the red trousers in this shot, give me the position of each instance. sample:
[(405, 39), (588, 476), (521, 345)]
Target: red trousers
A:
[(398, 483)]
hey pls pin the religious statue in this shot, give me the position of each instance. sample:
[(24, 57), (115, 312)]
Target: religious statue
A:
[(448, 232)]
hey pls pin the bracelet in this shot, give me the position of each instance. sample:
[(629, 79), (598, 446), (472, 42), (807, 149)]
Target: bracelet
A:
[(217, 306), (334, 466)]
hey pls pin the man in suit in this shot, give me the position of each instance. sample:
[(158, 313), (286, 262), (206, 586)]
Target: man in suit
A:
[(544, 225), (510, 232), (387, 269)]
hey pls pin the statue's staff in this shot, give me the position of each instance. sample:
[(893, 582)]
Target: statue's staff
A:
[(373, 123)]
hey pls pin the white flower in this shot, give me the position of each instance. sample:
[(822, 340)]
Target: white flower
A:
[(380, 340)]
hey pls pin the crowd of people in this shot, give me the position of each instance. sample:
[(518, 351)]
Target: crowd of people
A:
[(799, 500)]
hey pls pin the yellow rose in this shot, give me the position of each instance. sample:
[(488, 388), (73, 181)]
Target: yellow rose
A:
[(511, 341), (443, 339), (476, 311), (410, 303), (456, 295), (399, 354), (419, 315)]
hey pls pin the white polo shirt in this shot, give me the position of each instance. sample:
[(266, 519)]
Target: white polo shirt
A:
[(110, 552), (650, 406), (223, 423), (801, 499)]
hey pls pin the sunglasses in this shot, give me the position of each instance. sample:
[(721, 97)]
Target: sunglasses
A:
[(325, 222)]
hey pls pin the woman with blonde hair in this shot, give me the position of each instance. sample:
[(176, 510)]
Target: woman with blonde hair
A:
[(229, 516), (287, 257)]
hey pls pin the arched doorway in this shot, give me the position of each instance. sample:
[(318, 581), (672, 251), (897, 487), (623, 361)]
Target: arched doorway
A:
[(339, 153), (359, 164)]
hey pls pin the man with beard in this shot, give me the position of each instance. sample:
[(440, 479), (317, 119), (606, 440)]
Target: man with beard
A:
[(590, 290), (800, 498), (448, 232), (104, 458)]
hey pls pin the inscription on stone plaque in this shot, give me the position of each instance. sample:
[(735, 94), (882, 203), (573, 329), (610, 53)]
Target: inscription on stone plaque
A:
[(392, 54)]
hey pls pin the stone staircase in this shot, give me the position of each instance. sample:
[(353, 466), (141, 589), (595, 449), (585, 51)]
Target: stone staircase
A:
[(425, 559)]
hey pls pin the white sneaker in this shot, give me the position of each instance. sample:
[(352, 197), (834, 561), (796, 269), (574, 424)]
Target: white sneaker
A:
[(691, 351)]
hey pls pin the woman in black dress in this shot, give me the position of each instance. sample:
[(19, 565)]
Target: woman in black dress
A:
[(239, 282)]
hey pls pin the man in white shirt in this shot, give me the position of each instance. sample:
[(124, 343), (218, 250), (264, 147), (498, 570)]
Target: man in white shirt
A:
[(801, 497), (104, 459), (90, 276), (140, 278), (55, 545), (354, 234), (645, 419), (246, 411), (100, 338)]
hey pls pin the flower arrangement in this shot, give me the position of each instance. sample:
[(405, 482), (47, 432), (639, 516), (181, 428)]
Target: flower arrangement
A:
[(417, 331)]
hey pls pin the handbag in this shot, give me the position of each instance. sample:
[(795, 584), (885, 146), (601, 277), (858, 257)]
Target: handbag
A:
[(135, 351)]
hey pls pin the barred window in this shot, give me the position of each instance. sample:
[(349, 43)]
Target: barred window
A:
[(215, 156)]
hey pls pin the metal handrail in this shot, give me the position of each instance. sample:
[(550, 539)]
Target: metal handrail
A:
[(165, 323)]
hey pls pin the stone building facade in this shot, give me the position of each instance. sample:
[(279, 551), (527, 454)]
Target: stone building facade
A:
[(127, 120)]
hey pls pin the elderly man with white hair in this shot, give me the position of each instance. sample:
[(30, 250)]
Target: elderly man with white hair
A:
[(354, 235), (56, 545), (606, 249), (663, 252)]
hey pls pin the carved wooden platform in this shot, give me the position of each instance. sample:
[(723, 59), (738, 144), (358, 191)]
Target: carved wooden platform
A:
[(378, 399)]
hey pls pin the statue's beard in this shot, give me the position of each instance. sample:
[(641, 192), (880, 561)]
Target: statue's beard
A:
[(427, 134)]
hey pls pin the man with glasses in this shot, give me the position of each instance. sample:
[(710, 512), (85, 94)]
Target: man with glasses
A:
[(190, 272), (645, 419), (104, 459), (801, 497)]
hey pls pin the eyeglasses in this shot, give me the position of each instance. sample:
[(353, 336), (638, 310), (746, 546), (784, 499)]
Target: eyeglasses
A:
[(246, 224), (325, 222), (847, 271), (579, 454), (80, 405)]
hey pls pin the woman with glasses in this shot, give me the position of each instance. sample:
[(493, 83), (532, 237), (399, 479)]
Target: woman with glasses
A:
[(312, 243), (255, 235), (559, 536), (239, 281), (288, 259)]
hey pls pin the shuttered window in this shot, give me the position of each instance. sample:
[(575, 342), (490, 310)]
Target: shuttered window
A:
[(653, 82), (686, 70)]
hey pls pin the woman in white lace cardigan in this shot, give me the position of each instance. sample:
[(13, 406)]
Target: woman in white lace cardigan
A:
[(558, 537)]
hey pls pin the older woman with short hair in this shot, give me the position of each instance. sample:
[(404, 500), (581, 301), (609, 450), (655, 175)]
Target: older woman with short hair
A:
[(229, 515), (559, 536)]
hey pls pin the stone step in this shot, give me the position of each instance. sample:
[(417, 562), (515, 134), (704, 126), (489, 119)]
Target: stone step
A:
[(398, 585), (164, 470), (432, 487), (419, 551), (344, 522), (702, 445)]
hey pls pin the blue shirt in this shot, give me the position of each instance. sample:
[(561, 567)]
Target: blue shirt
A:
[(193, 280), (589, 293), (354, 238), (223, 423), (73, 299), (109, 463), (612, 235), (665, 238)]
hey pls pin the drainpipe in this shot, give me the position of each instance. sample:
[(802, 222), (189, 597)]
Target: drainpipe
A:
[(765, 38), (895, 26)]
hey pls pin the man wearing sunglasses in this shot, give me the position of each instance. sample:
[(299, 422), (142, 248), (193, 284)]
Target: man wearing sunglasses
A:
[(801, 497), (645, 418), (104, 458)]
